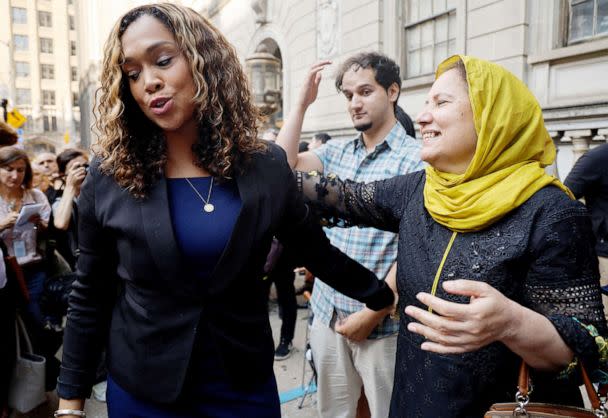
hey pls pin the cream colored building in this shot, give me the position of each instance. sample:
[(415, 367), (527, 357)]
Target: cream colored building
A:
[(558, 47), (39, 69)]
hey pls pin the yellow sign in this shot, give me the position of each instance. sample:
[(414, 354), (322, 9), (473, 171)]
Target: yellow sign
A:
[(15, 119), (66, 137)]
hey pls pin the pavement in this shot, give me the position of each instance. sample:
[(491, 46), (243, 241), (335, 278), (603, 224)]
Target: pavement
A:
[(290, 373)]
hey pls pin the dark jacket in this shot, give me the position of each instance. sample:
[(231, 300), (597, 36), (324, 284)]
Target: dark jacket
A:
[(151, 326), (589, 179), (538, 255)]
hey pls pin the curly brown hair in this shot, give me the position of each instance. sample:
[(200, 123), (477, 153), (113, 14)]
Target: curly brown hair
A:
[(132, 149)]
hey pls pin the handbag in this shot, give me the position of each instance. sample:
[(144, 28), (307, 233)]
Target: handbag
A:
[(522, 407), (26, 389)]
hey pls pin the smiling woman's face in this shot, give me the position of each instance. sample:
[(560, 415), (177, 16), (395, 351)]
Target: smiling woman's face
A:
[(447, 125), (159, 75)]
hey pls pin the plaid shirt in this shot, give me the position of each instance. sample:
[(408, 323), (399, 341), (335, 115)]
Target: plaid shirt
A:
[(375, 249)]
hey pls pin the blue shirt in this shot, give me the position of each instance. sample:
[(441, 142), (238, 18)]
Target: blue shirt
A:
[(200, 236), (397, 154)]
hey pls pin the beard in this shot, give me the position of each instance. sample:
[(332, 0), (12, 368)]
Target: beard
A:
[(363, 126)]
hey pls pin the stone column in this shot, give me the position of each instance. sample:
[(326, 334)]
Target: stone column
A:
[(552, 169), (580, 142)]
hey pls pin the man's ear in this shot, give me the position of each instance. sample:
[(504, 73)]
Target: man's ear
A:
[(393, 92)]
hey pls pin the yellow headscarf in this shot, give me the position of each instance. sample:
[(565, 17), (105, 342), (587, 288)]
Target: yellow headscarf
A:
[(513, 147)]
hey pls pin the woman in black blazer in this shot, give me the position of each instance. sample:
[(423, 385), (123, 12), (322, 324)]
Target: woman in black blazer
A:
[(177, 214)]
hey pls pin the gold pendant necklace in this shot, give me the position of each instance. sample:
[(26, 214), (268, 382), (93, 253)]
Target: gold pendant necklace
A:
[(208, 206)]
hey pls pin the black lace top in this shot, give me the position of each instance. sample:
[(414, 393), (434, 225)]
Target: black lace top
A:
[(539, 255)]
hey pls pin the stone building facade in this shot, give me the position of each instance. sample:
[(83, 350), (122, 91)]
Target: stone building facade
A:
[(39, 69), (558, 47)]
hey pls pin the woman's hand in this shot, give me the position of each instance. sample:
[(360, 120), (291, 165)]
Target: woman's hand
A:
[(75, 176), (310, 88), (9, 221), (459, 328)]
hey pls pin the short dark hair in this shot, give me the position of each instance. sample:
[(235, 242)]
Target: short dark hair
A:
[(405, 121), (386, 71), (66, 156), (322, 136), (11, 154)]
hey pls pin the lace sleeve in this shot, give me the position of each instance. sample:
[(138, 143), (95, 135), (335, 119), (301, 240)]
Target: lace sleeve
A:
[(345, 203), (563, 284)]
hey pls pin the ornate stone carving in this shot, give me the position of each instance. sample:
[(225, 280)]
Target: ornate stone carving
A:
[(328, 29), (260, 7)]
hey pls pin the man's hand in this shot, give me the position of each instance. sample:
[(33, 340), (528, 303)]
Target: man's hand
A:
[(310, 88), (357, 326)]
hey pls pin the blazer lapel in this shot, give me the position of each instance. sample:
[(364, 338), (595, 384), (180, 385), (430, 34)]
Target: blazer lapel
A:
[(243, 234), (158, 228)]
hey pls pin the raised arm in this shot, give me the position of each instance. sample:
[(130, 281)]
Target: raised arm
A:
[(345, 203), (62, 211), (289, 135), (300, 231)]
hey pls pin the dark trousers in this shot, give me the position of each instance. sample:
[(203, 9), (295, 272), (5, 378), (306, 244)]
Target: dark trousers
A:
[(282, 276)]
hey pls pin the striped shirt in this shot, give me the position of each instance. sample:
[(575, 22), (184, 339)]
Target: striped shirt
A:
[(375, 249)]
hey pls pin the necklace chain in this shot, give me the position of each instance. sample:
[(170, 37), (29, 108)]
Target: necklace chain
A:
[(208, 206)]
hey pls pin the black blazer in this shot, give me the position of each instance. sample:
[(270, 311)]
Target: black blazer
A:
[(150, 326)]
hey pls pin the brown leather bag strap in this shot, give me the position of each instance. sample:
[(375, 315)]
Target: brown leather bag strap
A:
[(591, 392), (523, 384)]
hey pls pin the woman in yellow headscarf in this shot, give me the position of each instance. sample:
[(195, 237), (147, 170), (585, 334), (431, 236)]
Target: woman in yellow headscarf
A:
[(496, 260)]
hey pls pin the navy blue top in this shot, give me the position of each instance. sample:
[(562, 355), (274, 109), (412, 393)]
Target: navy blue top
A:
[(201, 236)]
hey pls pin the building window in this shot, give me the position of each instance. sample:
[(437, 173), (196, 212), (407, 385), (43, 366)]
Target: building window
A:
[(74, 74), (45, 19), (46, 45), (48, 97), (22, 68), (588, 19), (75, 99), (47, 71), (23, 96), (20, 42), (19, 15), (430, 34), (70, 2), (49, 123), (71, 22), (73, 48)]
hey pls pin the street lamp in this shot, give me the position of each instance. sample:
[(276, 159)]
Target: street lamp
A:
[(4, 100), (264, 71)]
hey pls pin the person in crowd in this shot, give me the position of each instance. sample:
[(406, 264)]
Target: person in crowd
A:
[(9, 295), (354, 347), (495, 264), (279, 267), (8, 136), (405, 121), (318, 139), (40, 180), (281, 273), (588, 179), (22, 240), (303, 146), (46, 163), (73, 165), (179, 209)]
